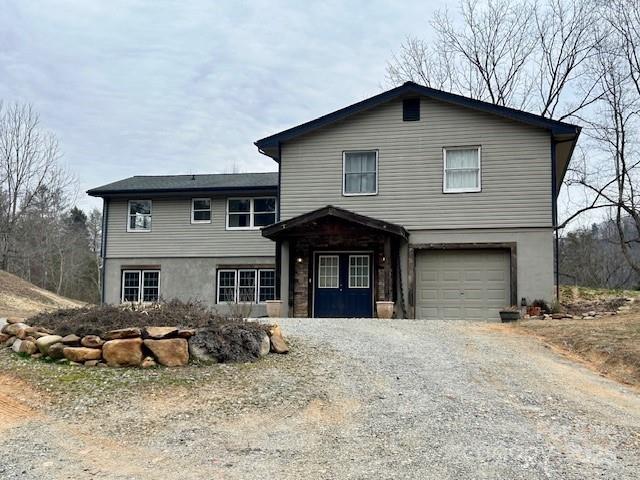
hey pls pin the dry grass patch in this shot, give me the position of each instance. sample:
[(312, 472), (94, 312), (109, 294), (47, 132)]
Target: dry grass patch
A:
[(609, 344)]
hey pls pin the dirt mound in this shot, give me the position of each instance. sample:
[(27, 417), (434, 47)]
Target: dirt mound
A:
[(234, 341), (21, 298)]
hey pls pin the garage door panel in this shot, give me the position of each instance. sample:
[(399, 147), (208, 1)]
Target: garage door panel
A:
[(462, 284)]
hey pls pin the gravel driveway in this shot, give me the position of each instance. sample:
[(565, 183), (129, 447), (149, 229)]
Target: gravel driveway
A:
[(355, 399)]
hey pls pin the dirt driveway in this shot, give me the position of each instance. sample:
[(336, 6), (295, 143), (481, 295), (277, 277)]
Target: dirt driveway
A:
[(355, 399)]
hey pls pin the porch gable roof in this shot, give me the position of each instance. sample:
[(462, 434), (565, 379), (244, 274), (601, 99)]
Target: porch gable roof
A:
[(281, 229)]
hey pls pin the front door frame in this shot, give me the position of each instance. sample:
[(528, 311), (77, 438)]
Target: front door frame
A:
[(312, 273)]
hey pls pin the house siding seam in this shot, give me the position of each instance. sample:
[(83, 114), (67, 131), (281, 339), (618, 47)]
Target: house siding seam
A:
[(515, 169), (173, 235)]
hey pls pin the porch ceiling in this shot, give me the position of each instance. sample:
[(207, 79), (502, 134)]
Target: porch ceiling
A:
[(285, 228)]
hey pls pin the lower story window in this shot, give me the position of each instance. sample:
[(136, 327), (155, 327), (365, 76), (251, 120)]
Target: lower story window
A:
[(246, 285), (140, 286)]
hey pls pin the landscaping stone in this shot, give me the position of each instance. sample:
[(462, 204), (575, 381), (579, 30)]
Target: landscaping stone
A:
[(56, 351), (123, 352), (148, 362), (91, 341), (122, 333), (4, 337), (160, 332), (30, 338), (172, 352), (38, 335), (24, 346), (36, 355), (278, 345), (44, 343), (17, 329), (91, 363), (186, 332), (265, 345), (10, 342), (15, 320), (82, 354), (3, 322), (72, 340)]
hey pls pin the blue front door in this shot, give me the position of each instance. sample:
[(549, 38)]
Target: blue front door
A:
[(343, 285)]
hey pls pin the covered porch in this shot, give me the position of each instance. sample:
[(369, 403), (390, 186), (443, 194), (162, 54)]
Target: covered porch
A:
[(335, 263)]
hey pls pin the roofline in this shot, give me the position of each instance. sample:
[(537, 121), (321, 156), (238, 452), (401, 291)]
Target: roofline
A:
[(556, 127), (276, 230), (96, 192)]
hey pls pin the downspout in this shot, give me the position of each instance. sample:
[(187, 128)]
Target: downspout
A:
[(103, 247), (278, 243), (554, 217)]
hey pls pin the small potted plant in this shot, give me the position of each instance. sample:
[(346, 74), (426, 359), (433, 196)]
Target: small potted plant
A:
[(384, 309), (510, 314)]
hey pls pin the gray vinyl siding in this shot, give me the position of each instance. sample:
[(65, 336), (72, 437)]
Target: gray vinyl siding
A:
[(516, 169), (173, 235)]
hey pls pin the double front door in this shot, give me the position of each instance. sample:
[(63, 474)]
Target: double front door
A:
[(343, 284)]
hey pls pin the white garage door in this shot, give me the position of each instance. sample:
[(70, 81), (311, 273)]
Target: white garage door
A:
[(462, 284)]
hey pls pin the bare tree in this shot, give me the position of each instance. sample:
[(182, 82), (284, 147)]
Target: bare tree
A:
[(28, 165), (513, 53)]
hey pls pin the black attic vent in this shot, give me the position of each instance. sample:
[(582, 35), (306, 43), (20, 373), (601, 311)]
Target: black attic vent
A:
[(411, 109)]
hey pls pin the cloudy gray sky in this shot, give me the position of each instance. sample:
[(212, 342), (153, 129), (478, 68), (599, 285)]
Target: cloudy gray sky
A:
[(161, 87)]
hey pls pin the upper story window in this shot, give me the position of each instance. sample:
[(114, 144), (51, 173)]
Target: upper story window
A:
[(139, 217), (245, 213), (200, 210), (461, 169), (360, 173)]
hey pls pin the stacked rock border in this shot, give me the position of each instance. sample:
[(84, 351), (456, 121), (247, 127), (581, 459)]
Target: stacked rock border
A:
[(127, 347)]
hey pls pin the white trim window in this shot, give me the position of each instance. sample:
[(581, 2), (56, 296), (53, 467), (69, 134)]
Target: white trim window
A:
[(250, 213), (461, 167), (360, 173), (358, 271), (246, 285), (139, 216), (200, 210), (328, 271), (140, 286)]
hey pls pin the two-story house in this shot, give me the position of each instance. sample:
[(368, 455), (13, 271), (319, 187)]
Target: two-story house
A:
[(440, 203)]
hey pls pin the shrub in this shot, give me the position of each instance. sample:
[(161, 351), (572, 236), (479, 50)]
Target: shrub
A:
[(544, 306)]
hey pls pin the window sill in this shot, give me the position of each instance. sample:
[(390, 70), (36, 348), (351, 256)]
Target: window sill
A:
[(462, 190), (138, 230), (372, 194)]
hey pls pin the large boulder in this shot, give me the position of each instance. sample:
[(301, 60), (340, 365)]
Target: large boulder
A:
[(24, 346), (15, 320), (186, 332), (160, 332), (171, 352), (91, 341), (44, 343), (71, 340), (3, 322), (4, 337), (56, 351), (199, 353), (126, 352), (19, 330), (278, 345), (121, 333), (82, 354)]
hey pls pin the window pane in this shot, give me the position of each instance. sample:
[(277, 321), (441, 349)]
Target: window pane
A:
[(240, 205), (352, 183), (328, 271), (202, 204), (151, 287), (227, 286), (262, 219), (369, 163), (247, 286), (368, 183), (140, 222), (358, 271), (131, 286), (353, 163), (462, 179), (267, 285), (239, 220), (264, 205), (140, 206), (462, 158), (202, 215)]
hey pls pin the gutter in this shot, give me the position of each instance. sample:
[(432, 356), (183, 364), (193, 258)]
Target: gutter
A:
[(554, 216), (185, 191), (103, 247)]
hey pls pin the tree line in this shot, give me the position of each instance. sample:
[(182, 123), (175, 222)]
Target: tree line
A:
[(44, 238)]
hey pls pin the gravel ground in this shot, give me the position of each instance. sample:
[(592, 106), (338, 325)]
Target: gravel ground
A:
[(354, 399)]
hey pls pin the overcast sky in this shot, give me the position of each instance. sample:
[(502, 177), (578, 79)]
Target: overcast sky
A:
[(164, 87)]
